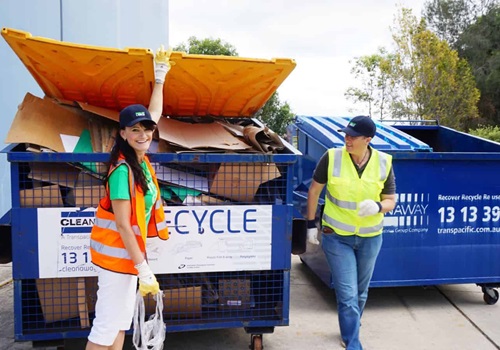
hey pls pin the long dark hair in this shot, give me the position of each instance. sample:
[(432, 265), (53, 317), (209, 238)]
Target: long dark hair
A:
[(122, 147)]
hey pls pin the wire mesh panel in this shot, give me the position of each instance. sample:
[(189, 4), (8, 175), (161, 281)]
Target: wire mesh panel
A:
[(63, 304), (51, 307), (58, 184)]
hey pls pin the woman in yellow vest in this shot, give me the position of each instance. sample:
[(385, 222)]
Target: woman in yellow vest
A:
[(360, 188), (131, 211)]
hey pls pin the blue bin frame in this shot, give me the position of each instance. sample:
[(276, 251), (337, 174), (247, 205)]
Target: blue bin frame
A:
[(445, 228), (25, 248)]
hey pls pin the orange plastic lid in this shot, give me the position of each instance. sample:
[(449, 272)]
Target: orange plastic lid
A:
[(197, 85)]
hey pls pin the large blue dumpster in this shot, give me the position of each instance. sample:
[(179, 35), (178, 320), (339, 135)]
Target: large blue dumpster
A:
[(227, 261), (446, 224)]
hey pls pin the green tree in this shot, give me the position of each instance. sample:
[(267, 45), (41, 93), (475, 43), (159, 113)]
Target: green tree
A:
[(373, 76), (275, 114), (445, 88), (207, 46), (435, 83), (427, 78), (480, 45), (488, 132), (449, 18)]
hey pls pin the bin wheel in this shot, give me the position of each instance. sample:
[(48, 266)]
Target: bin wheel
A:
[(256, 342), (490, 296)]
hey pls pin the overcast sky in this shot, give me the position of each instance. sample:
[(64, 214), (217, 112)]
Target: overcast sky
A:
[(322, 36)]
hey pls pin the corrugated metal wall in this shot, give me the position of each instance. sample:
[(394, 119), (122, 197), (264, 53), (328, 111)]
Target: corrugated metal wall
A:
[(110, 23)]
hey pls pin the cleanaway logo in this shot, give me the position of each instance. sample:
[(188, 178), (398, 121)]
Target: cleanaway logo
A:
[(411, 211)]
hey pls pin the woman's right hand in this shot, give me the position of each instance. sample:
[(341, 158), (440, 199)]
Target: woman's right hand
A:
[(147, 280), (162, 64)]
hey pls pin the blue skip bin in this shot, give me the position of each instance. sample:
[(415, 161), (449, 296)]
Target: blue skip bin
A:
[(446, 224)]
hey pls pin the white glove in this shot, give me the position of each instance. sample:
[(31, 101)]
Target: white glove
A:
[(147, 280), (312, 236), (162, 64), (368, 207)]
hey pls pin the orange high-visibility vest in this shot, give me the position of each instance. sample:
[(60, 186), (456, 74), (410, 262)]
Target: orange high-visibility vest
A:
[(106, 246)]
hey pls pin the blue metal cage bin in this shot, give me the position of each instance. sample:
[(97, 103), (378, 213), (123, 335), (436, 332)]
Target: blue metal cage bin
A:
[(226, 265)]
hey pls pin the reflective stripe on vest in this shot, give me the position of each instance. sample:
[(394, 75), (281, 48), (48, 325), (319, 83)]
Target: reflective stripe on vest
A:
[(345, 190), (106, 246), (120, 253)]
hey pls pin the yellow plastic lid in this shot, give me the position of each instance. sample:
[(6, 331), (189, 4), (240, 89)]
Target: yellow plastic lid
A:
[(197, 85)]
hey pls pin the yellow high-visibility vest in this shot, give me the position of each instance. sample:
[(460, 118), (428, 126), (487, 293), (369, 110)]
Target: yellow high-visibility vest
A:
[(345, 190)]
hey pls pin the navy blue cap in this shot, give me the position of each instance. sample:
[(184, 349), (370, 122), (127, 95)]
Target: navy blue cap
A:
[(360, 126), (134, 114)]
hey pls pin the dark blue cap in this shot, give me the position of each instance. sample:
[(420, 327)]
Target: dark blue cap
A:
[(134, 114), (360, 126)]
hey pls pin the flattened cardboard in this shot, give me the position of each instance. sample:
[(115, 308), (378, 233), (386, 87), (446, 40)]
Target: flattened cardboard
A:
[(58, 298), (195, 136), (41, 197), (104, 112), (56, 173), (183, 302), (66, 298), (89, 196), (240, 181), (42, 121)]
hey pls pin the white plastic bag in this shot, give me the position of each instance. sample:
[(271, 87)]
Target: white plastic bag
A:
[(150, 334)]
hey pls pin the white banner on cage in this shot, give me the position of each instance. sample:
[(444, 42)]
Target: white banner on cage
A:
[(202, 239)]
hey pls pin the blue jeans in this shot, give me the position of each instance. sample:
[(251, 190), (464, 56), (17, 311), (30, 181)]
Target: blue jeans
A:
[(352, 261)]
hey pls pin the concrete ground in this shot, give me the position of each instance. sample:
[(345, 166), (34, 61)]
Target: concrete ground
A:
[(413, 318)]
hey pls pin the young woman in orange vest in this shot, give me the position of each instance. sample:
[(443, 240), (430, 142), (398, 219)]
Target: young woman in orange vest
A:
[(131, 211)]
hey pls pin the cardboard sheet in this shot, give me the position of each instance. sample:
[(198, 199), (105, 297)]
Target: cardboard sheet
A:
[(56, 173), (240, 181), (41, 122), (181, 302), (39, 197), (199, 135), (103, 112)]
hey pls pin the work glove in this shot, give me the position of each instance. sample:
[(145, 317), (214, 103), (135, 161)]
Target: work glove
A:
[(368, 207), (162, 64), (312, 236), (147, 280), (312, 232)]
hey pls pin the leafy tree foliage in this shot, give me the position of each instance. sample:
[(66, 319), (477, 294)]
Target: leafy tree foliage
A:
[(480, 45), (373, 73), (449, 18), (275, 114), (426, 78), (487, 132), (207, 46)]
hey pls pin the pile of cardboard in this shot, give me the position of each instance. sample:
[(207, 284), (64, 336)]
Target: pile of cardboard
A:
[(50, 125)]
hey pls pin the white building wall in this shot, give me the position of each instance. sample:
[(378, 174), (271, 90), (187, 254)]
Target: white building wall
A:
[(110, 23)]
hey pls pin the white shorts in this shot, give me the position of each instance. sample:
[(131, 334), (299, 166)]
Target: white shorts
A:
[(114, 309)]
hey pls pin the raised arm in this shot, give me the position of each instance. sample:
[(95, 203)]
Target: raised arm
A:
[(156, 102), (162, 66)]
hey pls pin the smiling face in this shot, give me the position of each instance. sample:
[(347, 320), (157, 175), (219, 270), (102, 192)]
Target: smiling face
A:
[(139, 137), (356, 145)]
